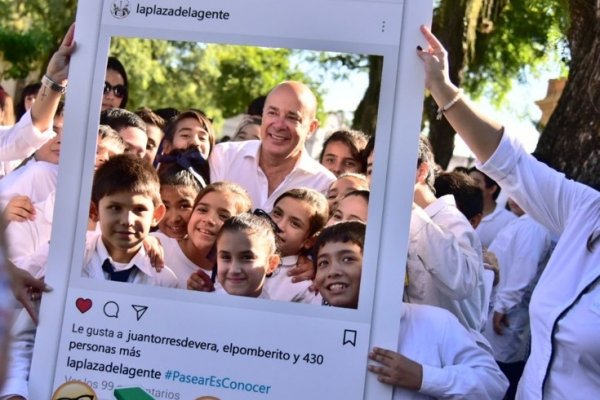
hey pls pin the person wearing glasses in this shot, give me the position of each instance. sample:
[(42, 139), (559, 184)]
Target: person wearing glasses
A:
[(115, 85)]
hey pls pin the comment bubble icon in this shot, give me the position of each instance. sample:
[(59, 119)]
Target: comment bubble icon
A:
[(111, 309)]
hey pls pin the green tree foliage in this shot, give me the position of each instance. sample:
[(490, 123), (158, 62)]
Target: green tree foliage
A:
[(30, 31), (512, 35), (218, 79)]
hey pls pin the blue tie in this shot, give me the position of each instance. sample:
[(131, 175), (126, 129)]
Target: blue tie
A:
[(116, 276)]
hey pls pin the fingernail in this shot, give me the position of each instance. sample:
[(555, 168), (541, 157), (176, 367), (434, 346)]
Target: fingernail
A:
[(419, 48), (48, 288)]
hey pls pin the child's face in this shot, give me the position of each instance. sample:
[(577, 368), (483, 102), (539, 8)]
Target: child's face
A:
[(190, 133), (339, 265), (337, 158), (178, 201), (125, 221), (155, 135), (351, 208), (136, 140), (208, 217), (292, 216), (50, 151), (248, 132), (243, 260), (370, 161), (105, 150), (341, 187)]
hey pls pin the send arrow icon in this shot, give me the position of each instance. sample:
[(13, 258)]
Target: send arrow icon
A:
[(139, 310)]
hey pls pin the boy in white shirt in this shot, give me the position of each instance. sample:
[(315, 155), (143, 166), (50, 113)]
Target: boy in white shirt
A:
[(436, 356), (126, 204), (299, 214)]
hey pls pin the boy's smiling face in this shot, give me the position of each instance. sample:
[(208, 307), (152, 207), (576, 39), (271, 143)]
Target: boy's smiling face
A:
[(292, 216), (178, 201), (339, 266), (243, 260), (125, 220)]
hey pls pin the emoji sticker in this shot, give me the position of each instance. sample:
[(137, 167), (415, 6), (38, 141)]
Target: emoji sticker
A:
[(74, 390)]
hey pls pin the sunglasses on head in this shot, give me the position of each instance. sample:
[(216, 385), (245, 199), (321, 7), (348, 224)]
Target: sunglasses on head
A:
[(118, 90)]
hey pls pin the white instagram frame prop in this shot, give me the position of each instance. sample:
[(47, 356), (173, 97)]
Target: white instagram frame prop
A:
[(341, 336)]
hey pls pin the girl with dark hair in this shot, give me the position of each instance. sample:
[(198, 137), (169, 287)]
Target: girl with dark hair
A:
[(27, 99), (115, 93)]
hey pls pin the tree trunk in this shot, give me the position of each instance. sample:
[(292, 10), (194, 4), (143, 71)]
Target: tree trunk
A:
[(455, 25), (365, 116), (571, 140)]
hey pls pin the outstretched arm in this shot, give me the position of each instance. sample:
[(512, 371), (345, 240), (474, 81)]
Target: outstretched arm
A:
[(480, 133), (44, 108)]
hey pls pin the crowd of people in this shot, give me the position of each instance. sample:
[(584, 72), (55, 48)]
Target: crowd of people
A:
[(498, 302)]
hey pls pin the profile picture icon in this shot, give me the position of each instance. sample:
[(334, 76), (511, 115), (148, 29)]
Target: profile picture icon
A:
[(74, 390), (207, 398)]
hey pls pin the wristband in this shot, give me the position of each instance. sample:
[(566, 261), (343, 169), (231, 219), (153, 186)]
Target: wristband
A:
[(452, 102), (55, 87)]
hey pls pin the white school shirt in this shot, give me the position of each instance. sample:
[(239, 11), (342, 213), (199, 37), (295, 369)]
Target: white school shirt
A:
[(36, 180), (454, 366), (445, 262), (522, 248), (493, 223), (96, 254), (182, 266), (280, 285), (20, 353), (238, 162), (565, 305), (22, 139), (24, 238)]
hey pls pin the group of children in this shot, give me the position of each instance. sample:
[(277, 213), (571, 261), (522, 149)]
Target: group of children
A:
[(152, 194)]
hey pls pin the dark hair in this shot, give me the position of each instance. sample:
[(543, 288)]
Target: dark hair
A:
[(167, 113), (426, 156), (256, 106), (243, 201), (114, 64), (489, 182), (468, 196), (60, 109), (355, 140), (358, 193), (464, 170), (119, 118), (32, 88), (3, 95), (197, 115), (252, 225), (150, 117), (366, 152), (318, 203), (344, 232), (173, 173), (126, 173)]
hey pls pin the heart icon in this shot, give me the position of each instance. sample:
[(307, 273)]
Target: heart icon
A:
[(83, 305)]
